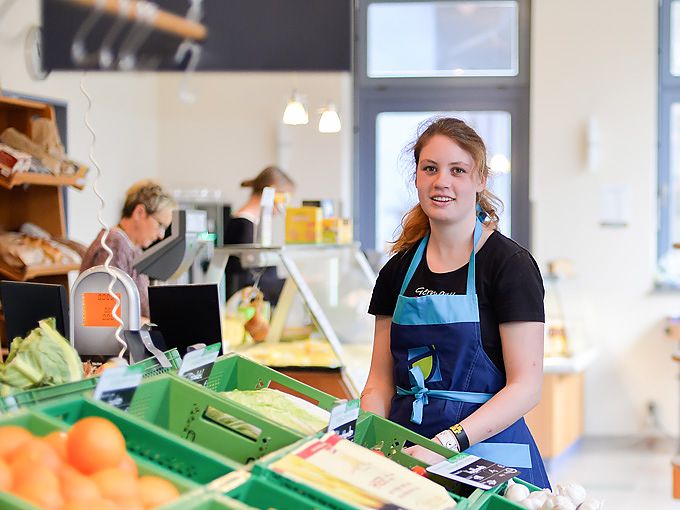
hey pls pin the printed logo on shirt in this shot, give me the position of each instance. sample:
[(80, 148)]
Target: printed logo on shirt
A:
[(423, 291), (427, 360)]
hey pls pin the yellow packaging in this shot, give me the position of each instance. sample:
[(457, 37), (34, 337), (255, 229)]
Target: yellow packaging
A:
[(337, 231), (304, 225)]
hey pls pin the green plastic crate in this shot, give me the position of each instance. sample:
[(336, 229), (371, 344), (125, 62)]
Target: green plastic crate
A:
[(492, 499), (235, 372), (202, 500), (317, 496), (41, 424), (262, 494), (180, 406), (147, 441), (149, 366)]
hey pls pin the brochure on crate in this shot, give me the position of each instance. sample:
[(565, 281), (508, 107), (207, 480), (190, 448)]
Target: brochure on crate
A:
[(360, 477), (473, 470)]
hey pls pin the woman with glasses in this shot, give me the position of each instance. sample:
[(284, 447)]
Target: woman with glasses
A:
[(146, 215)]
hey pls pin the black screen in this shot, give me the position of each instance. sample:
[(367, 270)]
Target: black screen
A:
[(186, 314), (25, 304)]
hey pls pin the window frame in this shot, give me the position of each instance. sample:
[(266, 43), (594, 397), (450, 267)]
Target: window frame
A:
[(460, 93)]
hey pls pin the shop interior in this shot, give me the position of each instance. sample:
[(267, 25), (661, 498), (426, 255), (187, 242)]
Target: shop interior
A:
[(583, 133)]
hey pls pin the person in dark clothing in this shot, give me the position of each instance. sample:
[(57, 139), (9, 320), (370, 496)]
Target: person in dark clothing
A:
[(242, 229)]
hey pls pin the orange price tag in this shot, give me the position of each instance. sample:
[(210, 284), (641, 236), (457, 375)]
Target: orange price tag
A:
[(98, 310)]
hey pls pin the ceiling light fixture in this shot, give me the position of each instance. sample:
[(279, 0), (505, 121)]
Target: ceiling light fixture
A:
[(329, 121), (295, 113)]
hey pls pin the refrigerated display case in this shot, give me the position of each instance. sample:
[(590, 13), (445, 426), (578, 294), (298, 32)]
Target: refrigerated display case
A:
[(324, 301)]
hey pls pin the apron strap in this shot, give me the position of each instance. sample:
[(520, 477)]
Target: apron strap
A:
[(417, 257), (421, 395)]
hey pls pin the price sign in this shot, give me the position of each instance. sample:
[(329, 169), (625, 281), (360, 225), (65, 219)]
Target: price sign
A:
[(197, 365), (98, 310), (343, 420), (117, 386)]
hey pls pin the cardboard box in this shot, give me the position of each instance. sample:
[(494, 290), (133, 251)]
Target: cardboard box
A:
[(304, 225)]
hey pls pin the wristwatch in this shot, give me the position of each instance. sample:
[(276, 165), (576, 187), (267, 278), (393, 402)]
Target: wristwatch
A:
[(448, 440)]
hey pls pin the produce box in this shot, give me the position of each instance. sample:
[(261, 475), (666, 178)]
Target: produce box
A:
[(263, 494), (202, 500), (150, 367), (304, 225), (492, 499), (147, 441), (40, 425), (188, 410), (320, 498)]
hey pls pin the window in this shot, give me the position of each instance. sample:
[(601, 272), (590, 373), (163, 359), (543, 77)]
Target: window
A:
[(419, 59), (669, 140)]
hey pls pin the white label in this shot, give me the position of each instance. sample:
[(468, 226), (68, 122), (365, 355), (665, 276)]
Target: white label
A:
[(117, 386), (197, 365), (343, 420)]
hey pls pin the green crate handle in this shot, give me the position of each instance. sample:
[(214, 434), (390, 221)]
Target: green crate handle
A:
[(233, 371)]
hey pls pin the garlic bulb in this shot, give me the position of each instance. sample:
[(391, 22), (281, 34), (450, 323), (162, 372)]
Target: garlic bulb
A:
[(575, 492), (517, 492), (541, 495), (531, 503), (558, 503), (591, 504)]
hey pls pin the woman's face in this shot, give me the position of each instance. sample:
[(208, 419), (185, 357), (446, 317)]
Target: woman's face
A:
[(447, 181), (151, 227)]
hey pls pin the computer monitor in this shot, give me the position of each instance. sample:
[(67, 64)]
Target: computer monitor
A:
[(186, 314), (24, 304), (172, 256)]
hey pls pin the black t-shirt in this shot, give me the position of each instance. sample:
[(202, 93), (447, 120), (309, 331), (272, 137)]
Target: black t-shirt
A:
[(242, 231), (509, 287)]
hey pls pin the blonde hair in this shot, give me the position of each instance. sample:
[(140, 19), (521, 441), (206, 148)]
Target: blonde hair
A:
[(148, 193), (271, 176), (415, 223)]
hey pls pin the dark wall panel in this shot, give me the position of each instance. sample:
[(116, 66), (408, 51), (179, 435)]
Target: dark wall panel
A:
[(243, 35)]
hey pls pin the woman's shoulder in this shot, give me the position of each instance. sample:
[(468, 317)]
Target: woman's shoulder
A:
[(399, 262), (502, 251)]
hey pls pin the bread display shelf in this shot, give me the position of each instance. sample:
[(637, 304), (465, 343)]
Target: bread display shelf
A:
[(32, 272), (22, 178)]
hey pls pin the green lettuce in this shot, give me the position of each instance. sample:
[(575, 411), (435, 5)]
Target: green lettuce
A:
[(43, 358)]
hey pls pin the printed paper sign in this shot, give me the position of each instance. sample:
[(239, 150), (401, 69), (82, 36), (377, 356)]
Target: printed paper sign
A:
[(197, 365), (343, 420), (98, 310), (472, 470), (117, 386)]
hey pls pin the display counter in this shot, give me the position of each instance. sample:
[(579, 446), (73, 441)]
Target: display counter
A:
[(557, 422), (324, 301)]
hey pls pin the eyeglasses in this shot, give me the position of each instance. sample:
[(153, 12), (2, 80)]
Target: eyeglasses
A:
[(161, 227)]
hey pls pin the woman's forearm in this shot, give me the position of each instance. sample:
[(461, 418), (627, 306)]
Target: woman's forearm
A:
[(377, 401), (505, 408)]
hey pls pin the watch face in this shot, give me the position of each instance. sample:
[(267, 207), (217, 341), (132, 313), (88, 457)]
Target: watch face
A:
[(33, 53)]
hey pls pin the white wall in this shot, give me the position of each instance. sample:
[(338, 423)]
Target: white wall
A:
[(124, 116), (234, 130), (599, 59)]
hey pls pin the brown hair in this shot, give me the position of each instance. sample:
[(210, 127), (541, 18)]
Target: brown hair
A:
[(415, 223), (150, 194), (271, 176)]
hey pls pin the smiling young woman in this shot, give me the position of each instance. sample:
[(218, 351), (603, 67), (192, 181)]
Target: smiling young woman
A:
[(458, 347)]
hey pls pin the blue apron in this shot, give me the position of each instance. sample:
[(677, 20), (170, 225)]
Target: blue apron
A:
[(443, 374)]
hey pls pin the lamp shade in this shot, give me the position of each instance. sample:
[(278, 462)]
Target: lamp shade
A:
[(295, 113), (329, 121)]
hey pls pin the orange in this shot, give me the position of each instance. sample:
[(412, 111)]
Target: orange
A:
[(93, 444), (57, 440), (38, 475), (6, 477), (35, 451), (128, 464), (75, 486), (155, 491), (96, 504), (12, 438), (130, 504), (116, 484), (40, 488)]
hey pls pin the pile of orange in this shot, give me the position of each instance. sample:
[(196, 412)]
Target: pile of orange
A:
[(86, 468)]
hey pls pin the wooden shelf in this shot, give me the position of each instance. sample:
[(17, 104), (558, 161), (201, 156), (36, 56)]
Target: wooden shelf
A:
[(33, 272), (41, 179)]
